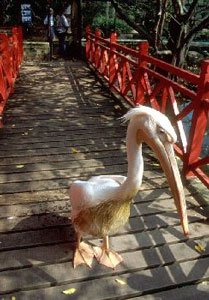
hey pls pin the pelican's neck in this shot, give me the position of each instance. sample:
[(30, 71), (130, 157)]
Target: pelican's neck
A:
[(135, 159)]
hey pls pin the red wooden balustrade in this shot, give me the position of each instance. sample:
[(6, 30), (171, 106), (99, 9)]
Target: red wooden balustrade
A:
[(143, 79), (11, 55)]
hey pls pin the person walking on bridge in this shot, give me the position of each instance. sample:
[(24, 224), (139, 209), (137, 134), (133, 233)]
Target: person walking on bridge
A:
[(61, 31), (49, 22)]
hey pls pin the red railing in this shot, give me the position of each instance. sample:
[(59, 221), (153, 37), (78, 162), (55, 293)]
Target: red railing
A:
[(11, 55), (143, 79)]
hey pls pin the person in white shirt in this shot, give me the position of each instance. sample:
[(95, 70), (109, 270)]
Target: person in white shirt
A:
[(49, 22)]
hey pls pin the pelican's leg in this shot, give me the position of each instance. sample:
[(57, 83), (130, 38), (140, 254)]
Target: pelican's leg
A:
[(107, 257), (84, 253)]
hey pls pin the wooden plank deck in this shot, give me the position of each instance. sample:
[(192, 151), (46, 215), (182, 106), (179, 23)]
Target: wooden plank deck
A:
[(61, 125)]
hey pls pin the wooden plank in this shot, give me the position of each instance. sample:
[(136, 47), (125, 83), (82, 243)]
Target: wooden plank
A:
[(38, 134), (34, 196), (61, 110), (64, 117), (122, 242), (198, 291), (89, 120), (62, 144), (66, 164), (35, 135), (102, 155), (136, 283), (82, 147)]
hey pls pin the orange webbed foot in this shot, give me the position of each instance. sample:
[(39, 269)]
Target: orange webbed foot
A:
[(84, 254), (107, 257)]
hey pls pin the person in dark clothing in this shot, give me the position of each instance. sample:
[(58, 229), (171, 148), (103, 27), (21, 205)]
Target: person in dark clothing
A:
[(61, 30)]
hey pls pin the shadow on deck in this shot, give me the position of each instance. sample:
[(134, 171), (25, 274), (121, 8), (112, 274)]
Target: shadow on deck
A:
[(61, 125)]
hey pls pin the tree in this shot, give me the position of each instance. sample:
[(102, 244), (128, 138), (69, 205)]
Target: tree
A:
[(168, 25), (99, 14)]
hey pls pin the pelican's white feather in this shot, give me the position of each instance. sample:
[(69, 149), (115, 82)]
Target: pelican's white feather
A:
[(98, 189), (159, 118)]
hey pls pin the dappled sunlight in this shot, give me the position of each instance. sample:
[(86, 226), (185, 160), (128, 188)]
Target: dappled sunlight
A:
[(60, 126)]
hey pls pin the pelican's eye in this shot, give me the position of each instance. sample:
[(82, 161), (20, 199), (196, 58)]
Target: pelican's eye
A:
[(165, 136), (161, 131)]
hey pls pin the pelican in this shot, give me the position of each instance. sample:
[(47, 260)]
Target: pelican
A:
[(101, 205)]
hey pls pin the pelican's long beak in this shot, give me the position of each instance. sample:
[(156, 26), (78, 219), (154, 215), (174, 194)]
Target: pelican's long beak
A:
[(165, 154)]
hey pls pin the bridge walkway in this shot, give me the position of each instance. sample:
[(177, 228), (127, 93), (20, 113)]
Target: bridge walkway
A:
[(61, 125)]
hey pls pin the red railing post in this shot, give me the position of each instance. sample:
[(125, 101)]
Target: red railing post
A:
[(7, 61), (20, 41), (11, 48), (88, 42), (199, 120), (96, 58), (15, 45), (3, 89), (140, 86), (112, 68)]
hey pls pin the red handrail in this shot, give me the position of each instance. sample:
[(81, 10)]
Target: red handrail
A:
[(143, 79), (11, 55)]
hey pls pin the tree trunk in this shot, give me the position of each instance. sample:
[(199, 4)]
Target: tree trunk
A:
[(76, 27), (161, 17)]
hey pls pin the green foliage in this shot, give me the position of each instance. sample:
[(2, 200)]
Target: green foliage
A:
[(113, 24), (101, 15)]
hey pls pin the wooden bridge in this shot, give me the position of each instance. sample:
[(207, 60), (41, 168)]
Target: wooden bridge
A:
[(60, 125)]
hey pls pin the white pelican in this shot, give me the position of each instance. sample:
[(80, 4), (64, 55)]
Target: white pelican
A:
[(102, 204)]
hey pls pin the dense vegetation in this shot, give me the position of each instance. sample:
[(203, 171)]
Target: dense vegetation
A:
[(169, 25)]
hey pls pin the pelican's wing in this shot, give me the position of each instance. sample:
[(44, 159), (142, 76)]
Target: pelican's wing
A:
[(118, 178), (98, 189)]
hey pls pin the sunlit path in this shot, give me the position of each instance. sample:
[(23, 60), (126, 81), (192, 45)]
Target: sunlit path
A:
[(59, 125)]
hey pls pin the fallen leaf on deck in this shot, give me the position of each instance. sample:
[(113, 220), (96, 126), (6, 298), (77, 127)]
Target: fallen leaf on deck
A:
[(69, 291), (20, 166), (120, 281), (74, 150), (155, 164), (11, 218), (204, 282), (200, 248), (117, 107)]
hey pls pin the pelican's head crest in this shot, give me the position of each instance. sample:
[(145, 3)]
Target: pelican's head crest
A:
[(151, 121)]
